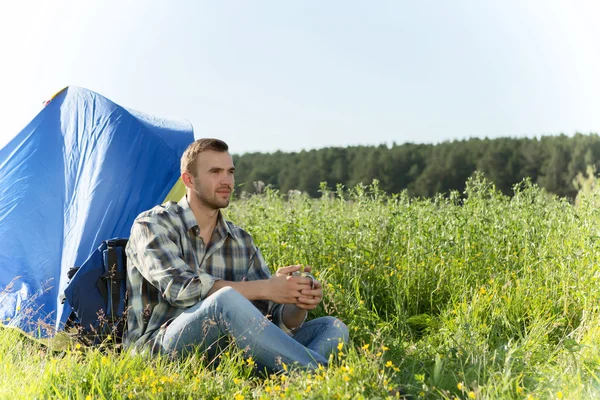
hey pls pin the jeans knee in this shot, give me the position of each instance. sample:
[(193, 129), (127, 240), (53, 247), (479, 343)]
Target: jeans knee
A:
[(227, 293), (339, 327), (228, 298)]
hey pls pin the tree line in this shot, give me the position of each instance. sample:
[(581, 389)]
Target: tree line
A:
[(424, 170)]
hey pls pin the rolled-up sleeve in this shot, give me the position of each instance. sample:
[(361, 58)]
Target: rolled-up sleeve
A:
[(155, 253)]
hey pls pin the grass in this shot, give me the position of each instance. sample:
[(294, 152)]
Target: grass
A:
[(472, 295)]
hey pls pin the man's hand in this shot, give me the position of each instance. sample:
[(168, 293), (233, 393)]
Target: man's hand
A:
[(287, 289), (310, 298)]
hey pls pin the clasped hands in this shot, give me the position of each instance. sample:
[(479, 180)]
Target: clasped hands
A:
[(302, 291)]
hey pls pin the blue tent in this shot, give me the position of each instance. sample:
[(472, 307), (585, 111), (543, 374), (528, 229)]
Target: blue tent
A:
[(79, 173)]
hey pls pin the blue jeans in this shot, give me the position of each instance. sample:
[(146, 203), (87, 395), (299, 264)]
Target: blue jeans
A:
[(226, 314)]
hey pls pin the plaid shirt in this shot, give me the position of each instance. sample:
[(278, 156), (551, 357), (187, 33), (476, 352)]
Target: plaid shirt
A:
[(169, 268)]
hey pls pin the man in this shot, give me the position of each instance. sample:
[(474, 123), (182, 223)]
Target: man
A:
[(195, 279)]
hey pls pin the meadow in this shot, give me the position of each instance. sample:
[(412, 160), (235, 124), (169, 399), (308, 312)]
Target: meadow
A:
[(471, 295)]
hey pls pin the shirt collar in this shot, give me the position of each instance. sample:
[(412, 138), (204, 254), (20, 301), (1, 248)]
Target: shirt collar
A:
[(189, 220)]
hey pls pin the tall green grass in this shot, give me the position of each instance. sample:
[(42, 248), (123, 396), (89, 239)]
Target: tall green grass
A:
[(473, 295)]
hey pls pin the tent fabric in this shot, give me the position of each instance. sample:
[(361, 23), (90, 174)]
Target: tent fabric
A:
[(79, 173), (177, 192)]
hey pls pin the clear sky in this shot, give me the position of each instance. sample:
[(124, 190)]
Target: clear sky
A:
[(293, 75)]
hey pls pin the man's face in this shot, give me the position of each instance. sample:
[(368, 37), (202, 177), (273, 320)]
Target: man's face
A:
[(214, 180)]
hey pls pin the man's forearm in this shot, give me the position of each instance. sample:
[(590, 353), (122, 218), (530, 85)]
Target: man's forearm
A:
[(252, 290)]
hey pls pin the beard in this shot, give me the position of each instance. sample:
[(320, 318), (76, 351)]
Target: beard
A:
[(211, 200)]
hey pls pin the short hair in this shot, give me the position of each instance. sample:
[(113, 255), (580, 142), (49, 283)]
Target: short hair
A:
[(188, 159)]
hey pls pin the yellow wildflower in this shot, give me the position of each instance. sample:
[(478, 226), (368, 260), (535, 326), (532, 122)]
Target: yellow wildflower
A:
[(471, 395), (239, 396), (340, 345), (519, 390), (389, 363)]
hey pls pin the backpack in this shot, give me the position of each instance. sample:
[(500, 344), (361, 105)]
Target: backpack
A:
[(97, 294)]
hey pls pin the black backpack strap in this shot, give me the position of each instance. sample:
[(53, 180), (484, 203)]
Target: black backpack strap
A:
[(114, 278), (117, 242), (111, 280)]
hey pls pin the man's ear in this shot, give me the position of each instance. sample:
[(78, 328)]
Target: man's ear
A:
[(188, 180)]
